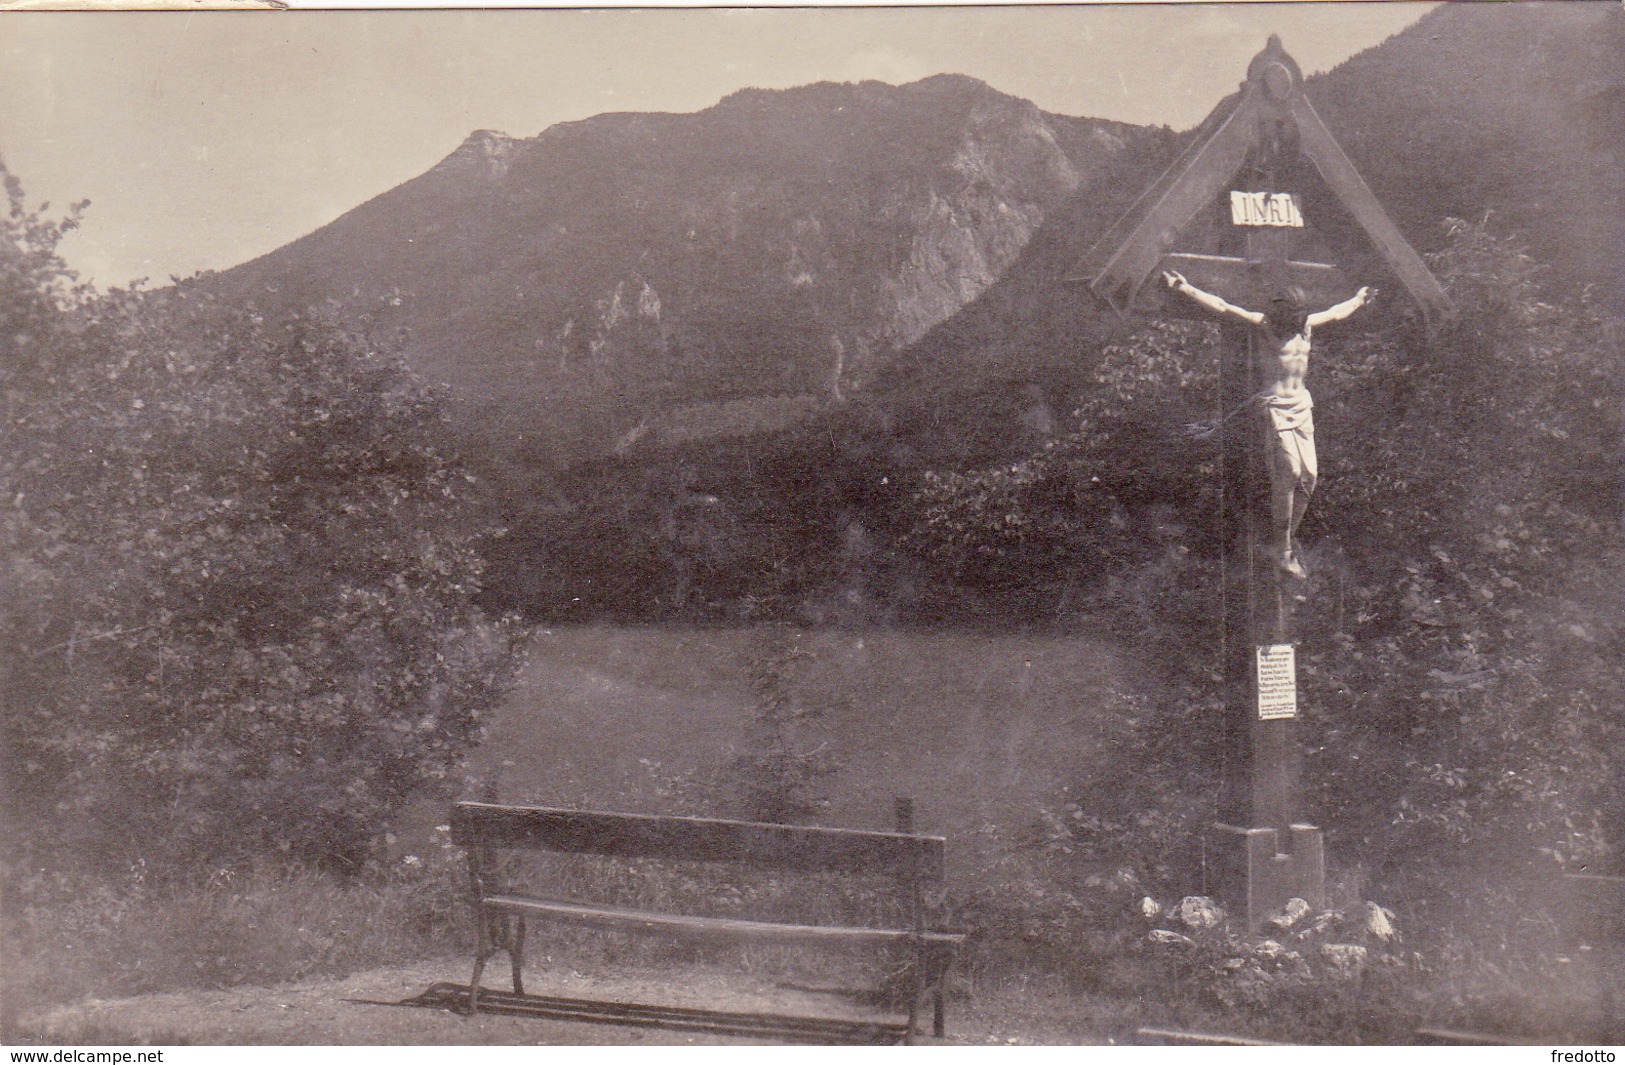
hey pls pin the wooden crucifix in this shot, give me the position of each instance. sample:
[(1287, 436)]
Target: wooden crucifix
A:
[(1259, 176)]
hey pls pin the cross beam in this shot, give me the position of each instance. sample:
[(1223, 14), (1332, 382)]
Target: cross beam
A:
[(1323, 283)]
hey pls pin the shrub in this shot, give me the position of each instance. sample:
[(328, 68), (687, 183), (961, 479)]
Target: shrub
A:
[(1469, 696), (1099, 498), (776, 777), (237, 570)]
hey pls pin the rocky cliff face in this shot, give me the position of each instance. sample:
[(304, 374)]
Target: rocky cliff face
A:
[(1011, 171), (483, 157), (778, 244)]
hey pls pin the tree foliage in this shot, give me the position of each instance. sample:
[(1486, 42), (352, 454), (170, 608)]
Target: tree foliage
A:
[(238, 577), (1107, 493), (1469, 693), (776, 778)]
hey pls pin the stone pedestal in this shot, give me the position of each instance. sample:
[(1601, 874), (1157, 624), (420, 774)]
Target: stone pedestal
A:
[(1254, 871)]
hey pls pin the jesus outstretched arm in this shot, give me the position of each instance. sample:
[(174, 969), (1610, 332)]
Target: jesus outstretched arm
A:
[(1177, 282), (1342, 310)]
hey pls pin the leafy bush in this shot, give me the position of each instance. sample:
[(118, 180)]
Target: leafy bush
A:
[(237, 571), (1471, 695)]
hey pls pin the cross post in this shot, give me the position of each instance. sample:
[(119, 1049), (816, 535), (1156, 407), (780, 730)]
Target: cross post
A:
[(1261, 852)]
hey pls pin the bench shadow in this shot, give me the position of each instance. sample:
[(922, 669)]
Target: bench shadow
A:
[(779, 1027)]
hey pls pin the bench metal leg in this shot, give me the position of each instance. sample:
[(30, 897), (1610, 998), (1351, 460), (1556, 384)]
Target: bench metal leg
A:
[(939, 1023), (483, 950), (916, 993), (474, 983), (516, 955), (510, 937)]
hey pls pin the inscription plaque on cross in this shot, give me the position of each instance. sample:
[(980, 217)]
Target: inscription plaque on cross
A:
[(1258, 173)]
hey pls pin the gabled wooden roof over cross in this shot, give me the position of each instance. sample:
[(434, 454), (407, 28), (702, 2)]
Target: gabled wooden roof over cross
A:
[(1261, 137)]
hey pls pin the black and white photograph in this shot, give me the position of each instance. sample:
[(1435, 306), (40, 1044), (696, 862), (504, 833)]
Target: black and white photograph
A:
[(1069, 525)]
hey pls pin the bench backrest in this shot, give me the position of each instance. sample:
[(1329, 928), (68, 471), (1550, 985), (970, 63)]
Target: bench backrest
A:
[(491, 826)]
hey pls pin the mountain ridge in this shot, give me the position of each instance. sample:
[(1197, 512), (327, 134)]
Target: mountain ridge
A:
[(792, 248), (780, 242)]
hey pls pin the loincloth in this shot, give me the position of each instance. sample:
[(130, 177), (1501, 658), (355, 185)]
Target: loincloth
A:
[(1292, 429)]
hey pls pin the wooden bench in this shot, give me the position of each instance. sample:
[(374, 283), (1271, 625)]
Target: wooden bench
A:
[(913, 862)]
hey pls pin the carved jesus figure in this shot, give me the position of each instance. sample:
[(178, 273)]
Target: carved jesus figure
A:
[(1288, 408)]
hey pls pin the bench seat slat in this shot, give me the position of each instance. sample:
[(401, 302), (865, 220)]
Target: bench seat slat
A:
[(683, 924), (799, 847)]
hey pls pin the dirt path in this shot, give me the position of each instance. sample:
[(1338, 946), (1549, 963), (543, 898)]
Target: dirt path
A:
[(327, 1012)]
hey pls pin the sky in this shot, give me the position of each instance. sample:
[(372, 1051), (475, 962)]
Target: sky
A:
[(204, 139)]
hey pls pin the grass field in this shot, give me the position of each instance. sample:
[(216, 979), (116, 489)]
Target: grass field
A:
[(979, 729)]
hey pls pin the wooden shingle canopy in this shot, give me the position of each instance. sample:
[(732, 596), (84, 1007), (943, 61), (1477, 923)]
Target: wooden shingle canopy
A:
[(1269, 121)]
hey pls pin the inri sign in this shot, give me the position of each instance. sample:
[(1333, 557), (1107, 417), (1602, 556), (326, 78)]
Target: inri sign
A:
[(1264, 209)]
